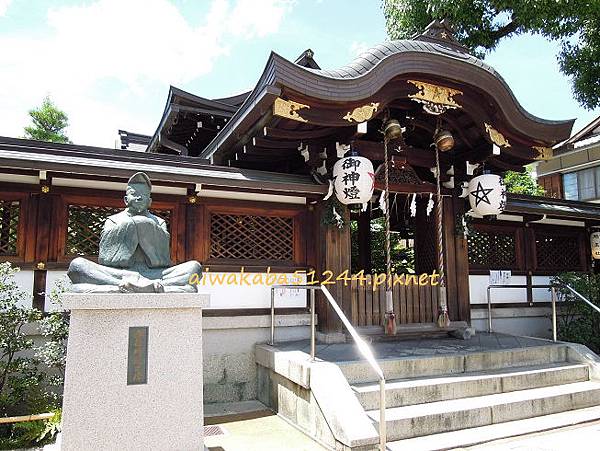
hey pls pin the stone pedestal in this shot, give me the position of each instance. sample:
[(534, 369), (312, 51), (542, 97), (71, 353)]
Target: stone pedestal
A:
[(134, 372)]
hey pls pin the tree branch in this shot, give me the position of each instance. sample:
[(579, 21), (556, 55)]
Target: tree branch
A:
[(505, 30)]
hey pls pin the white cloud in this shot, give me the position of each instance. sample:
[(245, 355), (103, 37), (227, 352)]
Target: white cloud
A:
[(356, 48), (135, 43), (260, 18), (4, 4)]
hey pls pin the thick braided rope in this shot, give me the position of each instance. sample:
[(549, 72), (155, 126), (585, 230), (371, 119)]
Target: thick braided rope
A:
[(386, 198), (439, 221)]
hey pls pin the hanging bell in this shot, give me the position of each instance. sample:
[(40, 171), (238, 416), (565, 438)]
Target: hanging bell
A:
[(392, 129), (444, 140)]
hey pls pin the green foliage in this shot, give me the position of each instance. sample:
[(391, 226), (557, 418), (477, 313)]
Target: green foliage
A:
[(53, 352), (481, 24), (578, 322), (24, 389), (334, 214), (30, 433), (402, 257), (17, 372), (522, 183), (49, 123)]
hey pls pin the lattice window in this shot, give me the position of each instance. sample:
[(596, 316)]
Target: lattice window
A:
[(9, 227), (427, 247), (555, 251), (249, 237), (84, 227), (492, 249)]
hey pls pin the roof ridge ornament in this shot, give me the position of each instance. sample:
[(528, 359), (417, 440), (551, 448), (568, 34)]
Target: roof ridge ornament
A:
[(362, 113), (289, 109), (543, 153), (307, 59), (495, 136), (435, 99), (441, 32)]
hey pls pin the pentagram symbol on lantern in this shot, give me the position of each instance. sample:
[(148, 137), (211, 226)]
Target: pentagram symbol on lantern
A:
[(481, 194)]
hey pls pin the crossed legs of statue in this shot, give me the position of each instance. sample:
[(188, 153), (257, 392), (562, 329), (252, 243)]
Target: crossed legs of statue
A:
[(88, 277)]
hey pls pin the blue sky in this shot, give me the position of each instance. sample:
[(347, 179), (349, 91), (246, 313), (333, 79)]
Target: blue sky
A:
[(108, 63)]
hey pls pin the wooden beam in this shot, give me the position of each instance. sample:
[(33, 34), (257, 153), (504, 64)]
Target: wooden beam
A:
[(296, 135), (266, 143), (415, 157), (181, 150), (494, 161)]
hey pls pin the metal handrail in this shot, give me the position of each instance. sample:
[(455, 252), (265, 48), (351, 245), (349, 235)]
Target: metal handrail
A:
[(580, 296), (554, 296), (362, 346)]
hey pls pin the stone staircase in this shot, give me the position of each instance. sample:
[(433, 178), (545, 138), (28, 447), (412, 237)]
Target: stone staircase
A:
[(443, 402)]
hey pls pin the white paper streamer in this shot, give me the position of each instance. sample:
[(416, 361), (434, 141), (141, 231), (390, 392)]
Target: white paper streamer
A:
[(329, 191), (382, 201), (413, 206), (430, 204)]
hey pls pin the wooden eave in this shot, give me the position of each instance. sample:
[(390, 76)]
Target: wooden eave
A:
[(21, 154), (376, 77), (181, 103), (555, 208)]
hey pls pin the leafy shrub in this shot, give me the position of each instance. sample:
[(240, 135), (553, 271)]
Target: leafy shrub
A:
[(18, 373), (578, 322), (24, 389), (53, 352)]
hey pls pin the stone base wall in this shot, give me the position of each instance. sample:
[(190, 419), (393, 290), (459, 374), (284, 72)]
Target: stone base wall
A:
[(228, 347), (521, 321), (229, 362)]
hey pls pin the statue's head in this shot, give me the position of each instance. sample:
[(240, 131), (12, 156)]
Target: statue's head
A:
[(137, 195)]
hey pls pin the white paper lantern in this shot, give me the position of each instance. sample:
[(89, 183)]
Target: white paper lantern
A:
[(595, 241), (487, 194), (353, 180)]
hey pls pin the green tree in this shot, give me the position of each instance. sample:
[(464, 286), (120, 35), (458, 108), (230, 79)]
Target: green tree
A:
[(402, 257), (522, 183), (481, 24), (577, 321), (49, 123)]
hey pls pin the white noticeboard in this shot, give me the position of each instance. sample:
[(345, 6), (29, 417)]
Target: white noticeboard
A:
[(501, 277)]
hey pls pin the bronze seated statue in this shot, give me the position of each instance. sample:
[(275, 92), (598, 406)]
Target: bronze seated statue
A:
[(134, 254)]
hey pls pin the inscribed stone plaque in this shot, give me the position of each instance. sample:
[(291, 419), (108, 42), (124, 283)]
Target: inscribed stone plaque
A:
[(137, 357)]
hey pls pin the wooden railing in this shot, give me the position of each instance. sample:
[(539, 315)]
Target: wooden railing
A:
[(365, 305)]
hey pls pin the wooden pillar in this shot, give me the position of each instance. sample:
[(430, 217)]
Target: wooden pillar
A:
[(39, 289), (461, 260), (364, 241), (196, 236), (43, 242), (334, 246)]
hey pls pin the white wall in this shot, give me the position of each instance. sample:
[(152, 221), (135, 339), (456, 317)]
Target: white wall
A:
[(24, 280), (478, 290), (225, 295), (51, 278), (231, 294)]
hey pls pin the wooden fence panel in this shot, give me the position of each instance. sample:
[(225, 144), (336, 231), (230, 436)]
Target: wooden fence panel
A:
[(366, 304)]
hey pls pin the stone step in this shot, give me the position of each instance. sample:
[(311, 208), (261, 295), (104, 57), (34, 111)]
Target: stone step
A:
[(444, 416), (411, 367), (405, 392), (483, 434)]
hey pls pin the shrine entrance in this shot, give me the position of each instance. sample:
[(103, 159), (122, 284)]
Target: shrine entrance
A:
[(413, 250)]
